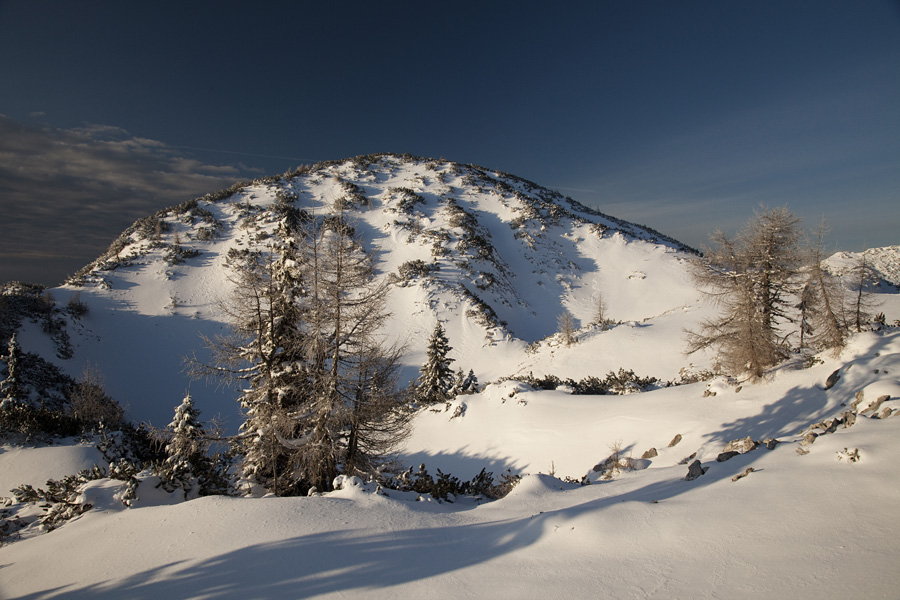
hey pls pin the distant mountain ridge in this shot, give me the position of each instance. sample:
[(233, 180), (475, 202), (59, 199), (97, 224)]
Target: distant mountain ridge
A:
[(884, 263)]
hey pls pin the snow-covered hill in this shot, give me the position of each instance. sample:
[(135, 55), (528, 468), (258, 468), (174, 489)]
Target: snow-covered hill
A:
[(495, 258)]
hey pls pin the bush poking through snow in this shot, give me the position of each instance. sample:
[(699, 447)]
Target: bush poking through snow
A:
[(850, 456), (446, 486), (615, 463), (90, 404), (60, 501), (618, 383)]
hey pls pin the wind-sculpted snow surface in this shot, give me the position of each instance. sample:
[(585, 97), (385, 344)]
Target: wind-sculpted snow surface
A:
[(811, 525)]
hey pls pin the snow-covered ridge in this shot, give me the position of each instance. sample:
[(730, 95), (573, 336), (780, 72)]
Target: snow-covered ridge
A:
[(884, 263)]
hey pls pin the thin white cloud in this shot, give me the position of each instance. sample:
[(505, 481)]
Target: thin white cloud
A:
[(75, 190)]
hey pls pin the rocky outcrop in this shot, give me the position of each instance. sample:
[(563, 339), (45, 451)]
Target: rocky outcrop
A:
[(832, 379)]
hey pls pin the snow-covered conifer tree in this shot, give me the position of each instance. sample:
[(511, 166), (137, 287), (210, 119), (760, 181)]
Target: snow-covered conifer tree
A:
[(13, 410), (187, 463), (10, 387), (266, 353), (436, 377), (464, 383)]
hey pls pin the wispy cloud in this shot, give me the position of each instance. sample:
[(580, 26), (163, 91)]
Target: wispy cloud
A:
[(65, 194)]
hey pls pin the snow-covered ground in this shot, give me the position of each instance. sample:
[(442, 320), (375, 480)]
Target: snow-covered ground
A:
[(799, 526), (809, 521)]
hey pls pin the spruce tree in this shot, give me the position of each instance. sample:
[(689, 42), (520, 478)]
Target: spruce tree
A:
[(464, 384), (265, 353), (186, 460), (14, 412), (436, 377), (11, 387)]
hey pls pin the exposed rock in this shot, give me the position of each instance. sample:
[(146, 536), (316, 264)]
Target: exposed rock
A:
[(687, 459), (771, 443), (741, 445), (708, 392), (651, 453), (746, 472), (888, 411), (675, 440), (695, 470), (872, 408), (860, 395), (722, 457), (832, 379), (849, 418), (832, 426), (809, 438), (802, 451)]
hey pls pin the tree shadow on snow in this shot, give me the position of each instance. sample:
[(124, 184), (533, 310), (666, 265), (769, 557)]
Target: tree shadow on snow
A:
[(463, 466), (320, 563)]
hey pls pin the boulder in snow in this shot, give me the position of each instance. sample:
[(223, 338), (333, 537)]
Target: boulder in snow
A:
[(723, 456), (695, 470), (809, 438), (741, 445), (832, 379)]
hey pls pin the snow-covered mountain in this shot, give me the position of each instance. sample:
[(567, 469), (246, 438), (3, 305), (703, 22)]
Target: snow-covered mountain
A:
[(494, 257)]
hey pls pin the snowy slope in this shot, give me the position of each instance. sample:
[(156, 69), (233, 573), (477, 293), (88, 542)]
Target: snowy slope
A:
[(503, 259), (799, 526)]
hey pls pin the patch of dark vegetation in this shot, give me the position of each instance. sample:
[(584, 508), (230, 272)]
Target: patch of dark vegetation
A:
[(445, 486), (621, 382)]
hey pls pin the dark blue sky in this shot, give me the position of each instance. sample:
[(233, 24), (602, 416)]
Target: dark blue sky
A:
[(684, 116)]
